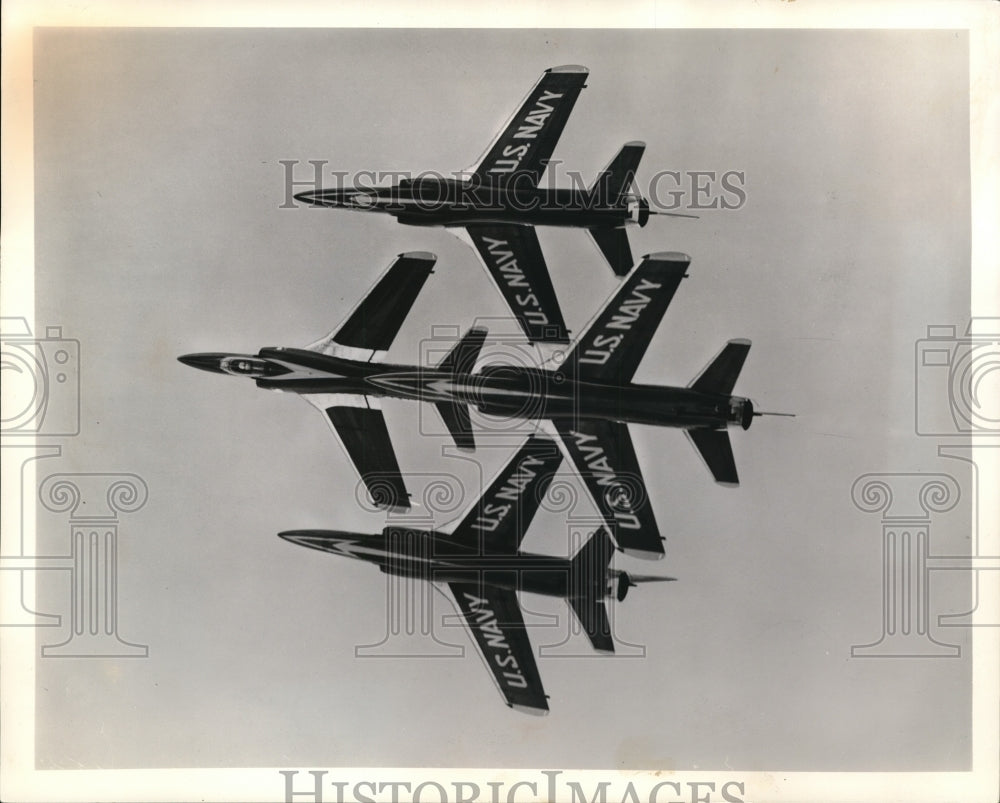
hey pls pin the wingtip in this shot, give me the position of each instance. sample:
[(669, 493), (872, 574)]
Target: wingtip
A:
[(644, 554), (636, 143), (527, 709), (570, 68), (425, 256), (668, 256), (740, 341), (391, 508)]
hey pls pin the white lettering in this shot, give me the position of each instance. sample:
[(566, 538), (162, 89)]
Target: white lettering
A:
[(533, 122), (602, 346), (617, 498)]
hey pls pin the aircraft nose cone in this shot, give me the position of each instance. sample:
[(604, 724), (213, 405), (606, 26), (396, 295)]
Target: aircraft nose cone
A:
[(307, 197), (333, 197), (206, 362)]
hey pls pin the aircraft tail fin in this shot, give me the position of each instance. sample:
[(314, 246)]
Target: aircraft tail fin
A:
[(613, 244), (716, 450), (615, 180), (459, 423), (592, 559), (461, 360), (588, 585), (721, 374)]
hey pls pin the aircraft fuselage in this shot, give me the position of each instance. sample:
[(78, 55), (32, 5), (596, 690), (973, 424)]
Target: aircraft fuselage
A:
[(501, 391), (444, 202), (436, 557)]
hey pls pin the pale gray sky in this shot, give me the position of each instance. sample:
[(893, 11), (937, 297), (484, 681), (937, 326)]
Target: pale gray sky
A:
[(158, 233)]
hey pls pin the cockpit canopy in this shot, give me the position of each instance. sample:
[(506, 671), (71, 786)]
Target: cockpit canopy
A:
[(364, 200), (250, 366)]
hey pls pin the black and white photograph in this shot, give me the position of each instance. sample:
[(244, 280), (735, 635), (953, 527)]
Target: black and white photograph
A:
[(652, 417)]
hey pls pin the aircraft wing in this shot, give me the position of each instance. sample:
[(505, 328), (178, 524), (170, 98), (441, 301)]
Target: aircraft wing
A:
[(513, 258), (371, 327), (524, 146), (497, 522), (603, 454), (616, 340), (359, 425), (494, 617)]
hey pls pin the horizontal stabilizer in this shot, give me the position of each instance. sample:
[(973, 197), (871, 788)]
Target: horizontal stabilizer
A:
[(462, 358), (588, 582), (456, 417), (716, 450), (721, 374), (593, 615), (591, 561), (613, 244), (618, 176)]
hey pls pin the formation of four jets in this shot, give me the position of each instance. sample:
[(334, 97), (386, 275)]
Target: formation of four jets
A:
[(588, 398)]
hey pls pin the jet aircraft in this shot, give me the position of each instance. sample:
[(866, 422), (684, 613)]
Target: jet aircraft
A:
[(589, 397), (502, 200), (481, 563)]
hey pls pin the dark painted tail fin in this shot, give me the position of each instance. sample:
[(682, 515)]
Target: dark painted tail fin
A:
[(613, 245), (720, 376), (592, 559), (588, 585), (461, 360), (618, 176), (716, 450)]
